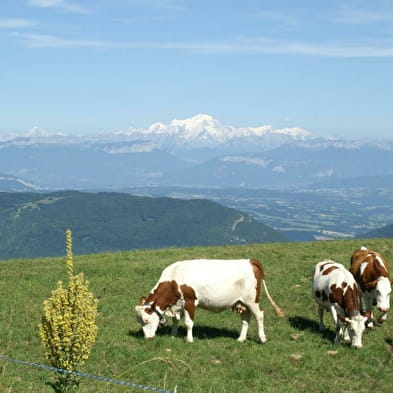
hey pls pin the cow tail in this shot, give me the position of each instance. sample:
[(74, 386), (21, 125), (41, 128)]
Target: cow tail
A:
[(280, 313)]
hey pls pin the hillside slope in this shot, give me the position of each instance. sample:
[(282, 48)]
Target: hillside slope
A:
[(384, 232), (33, 224)]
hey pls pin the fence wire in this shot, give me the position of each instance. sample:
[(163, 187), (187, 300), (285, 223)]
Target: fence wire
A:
[(88, 376)]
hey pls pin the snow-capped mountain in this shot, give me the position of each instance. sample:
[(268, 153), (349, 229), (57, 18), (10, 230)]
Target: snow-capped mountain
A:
[(199, 151), (37, 132), (199, 131), (205, 131)]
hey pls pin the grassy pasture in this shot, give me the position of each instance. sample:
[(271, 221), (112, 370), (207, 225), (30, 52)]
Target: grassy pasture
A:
[(296, 358)]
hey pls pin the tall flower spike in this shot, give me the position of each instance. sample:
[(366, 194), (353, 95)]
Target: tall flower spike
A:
[(68, 326), (69, 262)]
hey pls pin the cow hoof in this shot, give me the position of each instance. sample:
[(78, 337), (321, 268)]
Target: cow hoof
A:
[(241, 340), (263, 340)]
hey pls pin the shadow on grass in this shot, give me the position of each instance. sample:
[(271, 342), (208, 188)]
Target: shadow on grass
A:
[(312, 326), (209, 332), (389, 341), (200, 332)]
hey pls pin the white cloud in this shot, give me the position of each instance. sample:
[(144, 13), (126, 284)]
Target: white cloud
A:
[(269, 46), (258, 46), (363, 16), (51, 41), (327, 173), (72, 7), (249, 46), (15, 23), (279, 169)]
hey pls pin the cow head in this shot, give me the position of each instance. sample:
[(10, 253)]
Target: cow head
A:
[(356, 326), (383, 290), (148, 317)]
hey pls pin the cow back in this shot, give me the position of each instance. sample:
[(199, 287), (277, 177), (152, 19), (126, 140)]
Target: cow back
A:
[(376, 266), (333, 283), (217, 283)]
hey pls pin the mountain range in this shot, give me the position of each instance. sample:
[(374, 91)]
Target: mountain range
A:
[(199, 151)]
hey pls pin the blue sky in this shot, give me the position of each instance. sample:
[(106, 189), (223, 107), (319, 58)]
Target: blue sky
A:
[(104, 65)]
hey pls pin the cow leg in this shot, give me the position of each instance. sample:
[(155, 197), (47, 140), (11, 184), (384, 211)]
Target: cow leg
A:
[(260, 317), (258, 314), (175, 324), (383, 317), (245, 317), (190, 303), (361, 301), (321, 311), (189, 323), (189, 314), (370, 317), (337, 324), (367, 302)]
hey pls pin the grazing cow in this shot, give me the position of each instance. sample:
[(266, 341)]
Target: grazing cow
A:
[(335, 290), (371, 272), (211, 284)]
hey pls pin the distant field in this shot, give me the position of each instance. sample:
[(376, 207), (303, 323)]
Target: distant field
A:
[(304, 214), (296, 358)]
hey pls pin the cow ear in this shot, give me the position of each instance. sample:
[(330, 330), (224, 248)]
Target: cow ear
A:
[(142, 301)]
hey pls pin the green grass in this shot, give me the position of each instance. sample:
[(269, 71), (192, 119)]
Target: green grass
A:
[(296, 358)]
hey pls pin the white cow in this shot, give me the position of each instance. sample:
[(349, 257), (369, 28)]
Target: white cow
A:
[(334, 289), (212, 284)]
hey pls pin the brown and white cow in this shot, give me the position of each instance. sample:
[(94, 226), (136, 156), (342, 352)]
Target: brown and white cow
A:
[(335, 290), (371, 272), (211, 284)]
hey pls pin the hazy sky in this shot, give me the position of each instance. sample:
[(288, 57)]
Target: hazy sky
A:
[(102, 65)]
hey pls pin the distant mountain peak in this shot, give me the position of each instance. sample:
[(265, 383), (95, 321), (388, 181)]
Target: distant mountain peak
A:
[(196, 123), (295, 132), (37, 132), (205, 129), (199, 127)]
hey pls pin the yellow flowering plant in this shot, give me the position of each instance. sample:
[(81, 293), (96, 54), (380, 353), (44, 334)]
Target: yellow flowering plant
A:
[(68, 326)]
